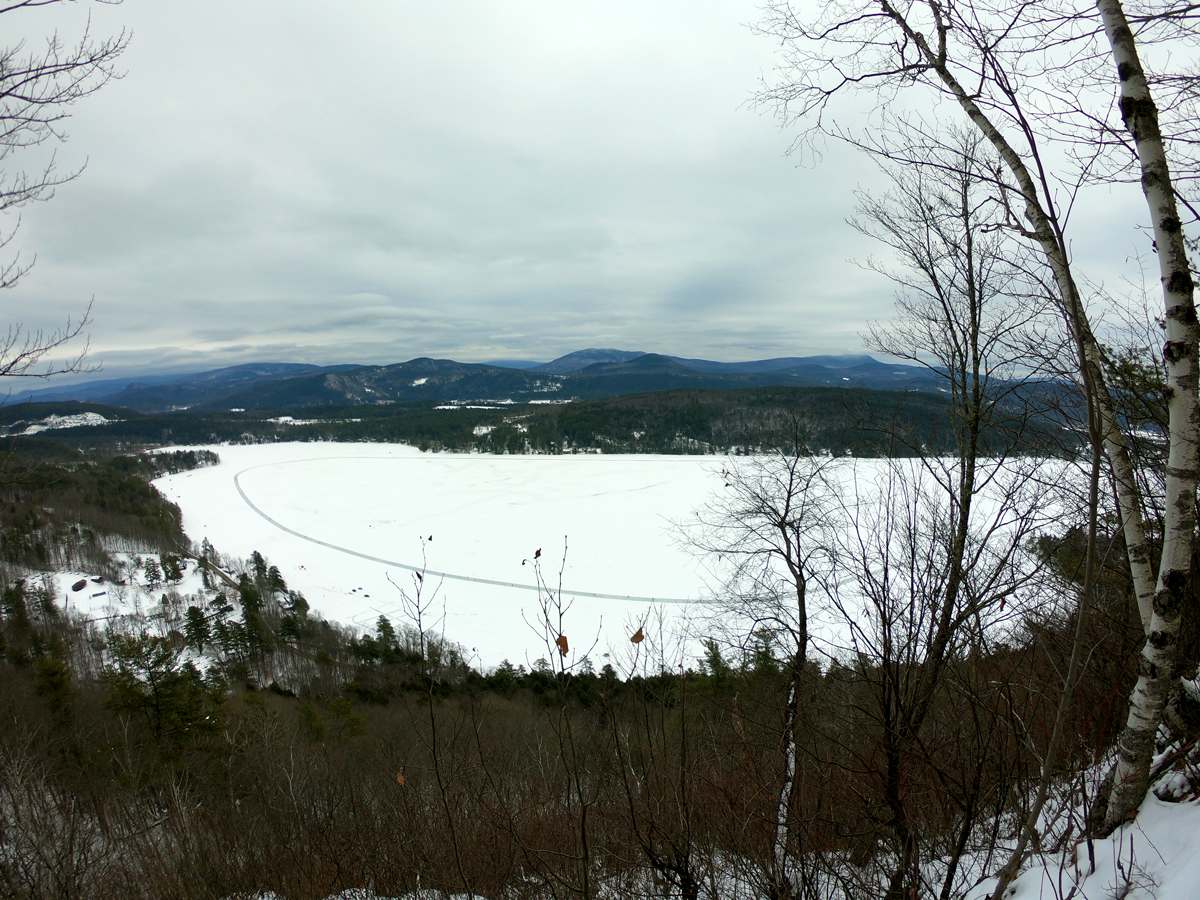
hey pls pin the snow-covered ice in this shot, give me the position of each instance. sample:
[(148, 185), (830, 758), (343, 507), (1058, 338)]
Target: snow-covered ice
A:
[(344, 521), (340, 520)]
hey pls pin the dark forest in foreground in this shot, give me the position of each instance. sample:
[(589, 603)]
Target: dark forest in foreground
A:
[(383, 760)]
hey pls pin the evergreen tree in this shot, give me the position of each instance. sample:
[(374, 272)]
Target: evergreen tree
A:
[(196, 629), (148, 683), (257, 635), (173, 568)]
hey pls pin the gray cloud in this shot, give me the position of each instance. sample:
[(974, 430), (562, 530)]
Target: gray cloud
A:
[(374, 181)]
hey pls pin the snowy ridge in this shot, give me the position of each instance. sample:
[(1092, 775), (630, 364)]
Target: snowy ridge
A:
[(73, 421)]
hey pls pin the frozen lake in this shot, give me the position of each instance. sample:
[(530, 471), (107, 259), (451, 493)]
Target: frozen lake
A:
[(345, 524), (339, 520)]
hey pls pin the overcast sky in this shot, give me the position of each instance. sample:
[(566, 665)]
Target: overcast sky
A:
[(375, 180)]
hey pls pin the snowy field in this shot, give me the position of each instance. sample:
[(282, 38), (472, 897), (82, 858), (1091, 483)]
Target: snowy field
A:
[(341, 521)]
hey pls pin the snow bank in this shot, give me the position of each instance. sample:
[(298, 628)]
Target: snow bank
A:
[(1155, 857)]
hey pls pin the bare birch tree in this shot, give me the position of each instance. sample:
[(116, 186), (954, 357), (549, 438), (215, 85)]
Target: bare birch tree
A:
[(1157, 664), (1024, 75)]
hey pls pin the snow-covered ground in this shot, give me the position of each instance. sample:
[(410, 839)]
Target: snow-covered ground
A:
[(131, 600), (340, 520), (1155, 857)]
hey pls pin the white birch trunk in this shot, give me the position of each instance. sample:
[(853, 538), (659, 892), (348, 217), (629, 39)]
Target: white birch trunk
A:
[(1047, 236), (782, 828), (1156, 667)]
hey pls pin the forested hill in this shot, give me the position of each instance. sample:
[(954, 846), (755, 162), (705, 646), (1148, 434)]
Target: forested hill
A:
[(587, 374), (838, 420)]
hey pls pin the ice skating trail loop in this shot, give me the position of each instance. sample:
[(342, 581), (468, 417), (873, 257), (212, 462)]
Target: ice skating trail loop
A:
[(425, 572)]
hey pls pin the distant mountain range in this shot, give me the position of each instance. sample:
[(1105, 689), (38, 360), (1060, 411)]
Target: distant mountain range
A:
[(584, 374)]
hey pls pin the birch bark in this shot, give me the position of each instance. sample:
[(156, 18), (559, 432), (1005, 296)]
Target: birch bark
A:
[(1156, 666), (783, 883), (794, 561)]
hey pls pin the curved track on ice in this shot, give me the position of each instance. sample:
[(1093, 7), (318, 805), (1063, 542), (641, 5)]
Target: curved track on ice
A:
[(399, 565)]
